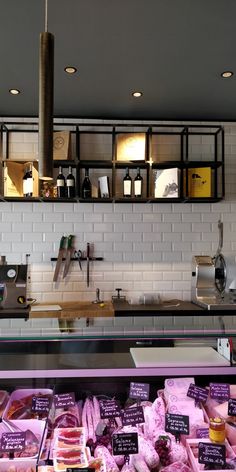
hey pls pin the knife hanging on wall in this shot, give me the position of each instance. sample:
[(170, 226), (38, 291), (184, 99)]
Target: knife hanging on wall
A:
[(69, 253), (59, 258)]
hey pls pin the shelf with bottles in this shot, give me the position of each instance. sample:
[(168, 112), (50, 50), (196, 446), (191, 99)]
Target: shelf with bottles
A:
[(108, 149), (96, 184), (20, 180)]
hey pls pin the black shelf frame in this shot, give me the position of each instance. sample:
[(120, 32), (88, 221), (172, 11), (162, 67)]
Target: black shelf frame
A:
[(184, 131)]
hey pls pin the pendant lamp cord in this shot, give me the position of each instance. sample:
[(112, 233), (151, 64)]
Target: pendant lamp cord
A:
[(46, 15)]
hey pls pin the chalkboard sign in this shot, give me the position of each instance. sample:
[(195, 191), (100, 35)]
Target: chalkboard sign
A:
[(211, 454), (198, 393), (85, 469), (232, 407), (202, 433), (132, 416), (177, 424), (64, 400), (139, 391), (109, 409), (11, 442), (40, 404), (220, 391), (125, 444)]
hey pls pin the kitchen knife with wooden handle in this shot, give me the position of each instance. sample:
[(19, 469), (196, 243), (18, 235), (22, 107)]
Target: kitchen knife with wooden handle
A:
[(69, 252), (59, 258)]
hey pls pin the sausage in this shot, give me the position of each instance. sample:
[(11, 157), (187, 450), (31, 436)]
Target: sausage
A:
[(102, 451), (96, 410), (139, 463), (128, 468), (149, 453), (84, 421)]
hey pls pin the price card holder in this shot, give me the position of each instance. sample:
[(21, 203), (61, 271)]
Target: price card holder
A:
[(125, 444), (12, 442), (40, 404), (211, 454), (132, 416), (109, 409), (232, 407), (202, 433), (64, 400), (199, 394), (139, 391), (177, 425), (85, 469), (220, 391)]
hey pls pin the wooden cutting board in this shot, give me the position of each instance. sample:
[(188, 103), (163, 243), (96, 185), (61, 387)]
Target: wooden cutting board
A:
[(74, 310)]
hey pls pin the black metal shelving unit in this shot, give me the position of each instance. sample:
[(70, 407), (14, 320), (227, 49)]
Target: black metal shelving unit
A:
[(181, 137)]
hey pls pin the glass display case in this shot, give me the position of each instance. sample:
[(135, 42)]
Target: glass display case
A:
[(88, 361), (82, 348)]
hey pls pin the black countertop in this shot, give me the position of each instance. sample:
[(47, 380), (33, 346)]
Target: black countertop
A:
[(170, 307)]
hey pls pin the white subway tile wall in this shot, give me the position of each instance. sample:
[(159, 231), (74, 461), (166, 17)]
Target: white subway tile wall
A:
[(147, 248)]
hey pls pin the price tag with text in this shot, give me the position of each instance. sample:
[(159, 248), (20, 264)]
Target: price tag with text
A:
[(85, 469), (220, 391), (177, 424), (125, 444), (232, 407), (109, 408), (211, 454), (202, 433), (40, 404), (64, 400), (132, 416), (139, 391), (13, 442), (198, 393)]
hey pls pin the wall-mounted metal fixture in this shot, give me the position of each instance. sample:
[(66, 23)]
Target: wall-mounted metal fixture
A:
[(46, 85)]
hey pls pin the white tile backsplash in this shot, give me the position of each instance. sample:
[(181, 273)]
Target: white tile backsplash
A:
[(146, 247)]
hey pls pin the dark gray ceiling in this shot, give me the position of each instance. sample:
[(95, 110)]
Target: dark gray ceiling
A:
[(172, 50)]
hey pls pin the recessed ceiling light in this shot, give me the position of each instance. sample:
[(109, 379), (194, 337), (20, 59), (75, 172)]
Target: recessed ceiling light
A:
[(227, 74), (70, 70), (14, 91), (137, 94)]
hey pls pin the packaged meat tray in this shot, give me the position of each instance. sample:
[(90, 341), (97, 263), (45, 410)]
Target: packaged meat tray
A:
[(4, 396), (64, 459), (26, 458), (21, 405), (65, 438)]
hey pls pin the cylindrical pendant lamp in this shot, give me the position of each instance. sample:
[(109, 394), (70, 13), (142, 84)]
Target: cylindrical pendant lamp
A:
[(46, 83)]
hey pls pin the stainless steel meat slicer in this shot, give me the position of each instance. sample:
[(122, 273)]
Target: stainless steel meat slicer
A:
[(13, 280), (209, 278)]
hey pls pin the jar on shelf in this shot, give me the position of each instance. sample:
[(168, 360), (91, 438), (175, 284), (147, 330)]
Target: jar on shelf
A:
[(217, 430)]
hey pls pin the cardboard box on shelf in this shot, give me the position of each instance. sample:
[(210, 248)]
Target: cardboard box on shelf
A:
[(61, 145), (13, 178), (131, 147)]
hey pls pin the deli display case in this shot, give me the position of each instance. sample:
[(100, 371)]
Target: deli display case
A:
[(180, 371)]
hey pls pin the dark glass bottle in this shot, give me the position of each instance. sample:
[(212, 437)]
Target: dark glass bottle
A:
[(61, 184), (138, 184), (127, 184), (70, 184), (86, 186)]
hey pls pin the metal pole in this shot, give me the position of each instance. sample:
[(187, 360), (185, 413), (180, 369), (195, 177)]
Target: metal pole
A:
[(46, 83)]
